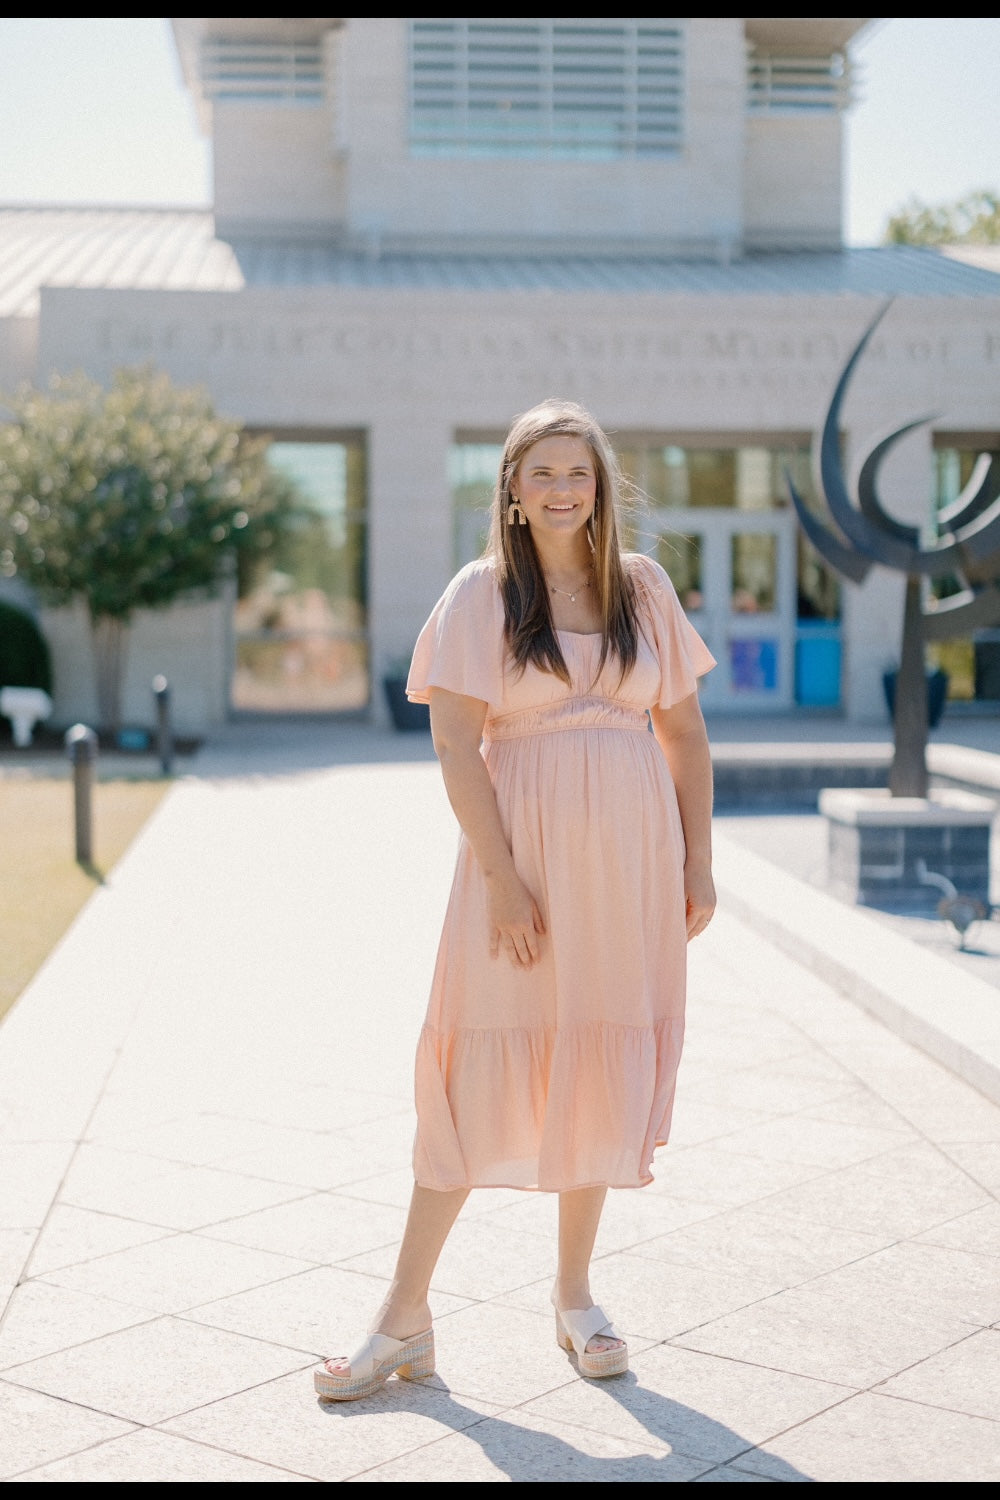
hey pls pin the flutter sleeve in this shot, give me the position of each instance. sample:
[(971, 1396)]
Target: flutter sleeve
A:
[(461, 647), (682, 654)]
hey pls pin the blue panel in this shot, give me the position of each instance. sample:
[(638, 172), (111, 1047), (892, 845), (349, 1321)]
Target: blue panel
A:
[(817, 665), (753, 665)]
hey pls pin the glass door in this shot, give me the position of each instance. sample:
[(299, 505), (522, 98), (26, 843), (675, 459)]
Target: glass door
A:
[(735, 576), (301, 643)]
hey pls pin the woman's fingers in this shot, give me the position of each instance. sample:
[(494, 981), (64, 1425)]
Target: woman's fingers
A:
[(520, 945)]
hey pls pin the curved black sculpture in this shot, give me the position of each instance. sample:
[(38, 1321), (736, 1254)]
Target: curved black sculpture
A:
[(967, 549)]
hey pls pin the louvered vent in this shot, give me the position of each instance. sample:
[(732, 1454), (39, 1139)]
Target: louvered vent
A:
[(593, 89), (777, 84), (266, 72)]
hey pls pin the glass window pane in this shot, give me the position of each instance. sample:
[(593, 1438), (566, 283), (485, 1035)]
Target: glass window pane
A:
[(681, 557), (754, 572), (301, 616)]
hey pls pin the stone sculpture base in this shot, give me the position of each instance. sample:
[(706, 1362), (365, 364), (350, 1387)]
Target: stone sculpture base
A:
[(880, 849)]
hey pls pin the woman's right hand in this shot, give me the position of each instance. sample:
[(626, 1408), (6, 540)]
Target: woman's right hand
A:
[(516, 925)]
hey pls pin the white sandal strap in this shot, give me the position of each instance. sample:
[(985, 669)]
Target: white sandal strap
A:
[(376, 1348), (584, 1324)]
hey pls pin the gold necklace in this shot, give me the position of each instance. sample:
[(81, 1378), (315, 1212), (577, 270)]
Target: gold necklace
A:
[(571, 597)]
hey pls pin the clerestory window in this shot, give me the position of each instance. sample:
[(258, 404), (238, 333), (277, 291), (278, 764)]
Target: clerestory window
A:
[(573, 88)]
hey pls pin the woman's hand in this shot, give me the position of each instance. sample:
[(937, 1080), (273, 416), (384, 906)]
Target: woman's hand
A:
[(699, 894), (515, 922)]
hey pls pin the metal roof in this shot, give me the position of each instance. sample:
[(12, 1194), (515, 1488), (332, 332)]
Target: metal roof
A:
[(177, 250)]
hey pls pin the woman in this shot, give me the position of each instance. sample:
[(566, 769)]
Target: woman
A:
[(553, 1035)]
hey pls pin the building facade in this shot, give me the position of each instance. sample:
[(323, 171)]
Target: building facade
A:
[(422, 226)]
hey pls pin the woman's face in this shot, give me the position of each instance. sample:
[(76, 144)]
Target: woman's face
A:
[(556, 483)]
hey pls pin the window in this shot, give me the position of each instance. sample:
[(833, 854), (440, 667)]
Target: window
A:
[(262, 72), (565, 88), (781, 85), (301, 617)]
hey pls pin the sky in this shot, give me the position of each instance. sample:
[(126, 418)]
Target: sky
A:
[(94, 110)]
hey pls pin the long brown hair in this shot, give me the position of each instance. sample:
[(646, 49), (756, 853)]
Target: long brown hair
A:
[(528, 627)]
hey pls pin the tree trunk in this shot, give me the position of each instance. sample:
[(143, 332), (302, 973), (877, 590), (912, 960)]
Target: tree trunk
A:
[(908, 777), (109, 635)]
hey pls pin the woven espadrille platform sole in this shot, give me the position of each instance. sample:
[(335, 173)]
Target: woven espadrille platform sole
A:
[(372, 1364), (575, 1329)]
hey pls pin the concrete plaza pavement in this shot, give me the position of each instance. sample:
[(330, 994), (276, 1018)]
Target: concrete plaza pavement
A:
[(205, 1130)]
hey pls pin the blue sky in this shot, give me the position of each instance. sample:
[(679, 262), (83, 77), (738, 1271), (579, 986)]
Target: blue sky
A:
[(94, 110)]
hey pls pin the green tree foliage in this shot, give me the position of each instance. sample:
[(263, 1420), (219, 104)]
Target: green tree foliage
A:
[(972, 220), (128, 498)]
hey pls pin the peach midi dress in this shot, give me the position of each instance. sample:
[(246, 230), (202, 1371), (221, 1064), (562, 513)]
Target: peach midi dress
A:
[(562, 1075)]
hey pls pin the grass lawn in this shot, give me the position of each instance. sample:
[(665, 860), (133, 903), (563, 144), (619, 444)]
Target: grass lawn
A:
[(42, 888)]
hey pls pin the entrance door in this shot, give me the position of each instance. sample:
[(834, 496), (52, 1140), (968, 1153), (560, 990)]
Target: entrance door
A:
[(735, 574), (301, 643)]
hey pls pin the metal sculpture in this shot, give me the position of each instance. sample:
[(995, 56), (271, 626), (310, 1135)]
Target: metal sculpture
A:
[(967, 549)]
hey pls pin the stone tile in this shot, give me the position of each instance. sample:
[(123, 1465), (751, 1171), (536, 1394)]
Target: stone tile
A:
[(648, 1300), (694, 1404), (191, 1198), (811, 1142), (944, 1281), (865, 1109), (285, 1424), (630, 1218), (158, 1370), (875, 1439), (978, 1231), (848, 1332), (97, 1169), (520, 1448), (195, 1139), (698, 1120), (42, 1319), (322, 1312), (711, 1175), (15, 1247), (964, 1378), (727, 1474), (175, 1273), (323, 1228), (782, 1252), (479, 1260), (30, 1173), (319, 1160), (768, 1091), (36, 1429), (72, 1235), (898, 1194), (981, 1159), (152, 1457)]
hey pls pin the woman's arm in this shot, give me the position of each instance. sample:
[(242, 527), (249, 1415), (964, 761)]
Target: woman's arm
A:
[(515, 921), (680, 732)]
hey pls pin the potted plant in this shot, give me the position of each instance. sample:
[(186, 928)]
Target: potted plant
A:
[(406, 716)]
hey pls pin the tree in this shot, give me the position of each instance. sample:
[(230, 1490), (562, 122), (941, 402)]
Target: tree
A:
[(972, 220), (128, 498)]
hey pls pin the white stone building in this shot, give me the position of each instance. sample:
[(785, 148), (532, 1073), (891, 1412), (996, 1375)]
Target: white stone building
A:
[(423, 226)]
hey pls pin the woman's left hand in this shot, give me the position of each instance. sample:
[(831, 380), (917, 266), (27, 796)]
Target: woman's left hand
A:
[(699, 893)]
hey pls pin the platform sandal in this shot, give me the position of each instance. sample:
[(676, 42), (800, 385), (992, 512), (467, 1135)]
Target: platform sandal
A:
[(371, 1365), (575, 1327)]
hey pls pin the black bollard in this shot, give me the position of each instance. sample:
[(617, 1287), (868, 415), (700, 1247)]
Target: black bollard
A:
[(81, 747), (164, 735)]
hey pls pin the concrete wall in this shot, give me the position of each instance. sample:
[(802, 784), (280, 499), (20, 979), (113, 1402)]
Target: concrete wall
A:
[(793, 183), (275, 171)]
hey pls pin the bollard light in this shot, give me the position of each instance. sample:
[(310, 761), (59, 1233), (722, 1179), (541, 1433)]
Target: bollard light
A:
[(81, 747), (164, 733)]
